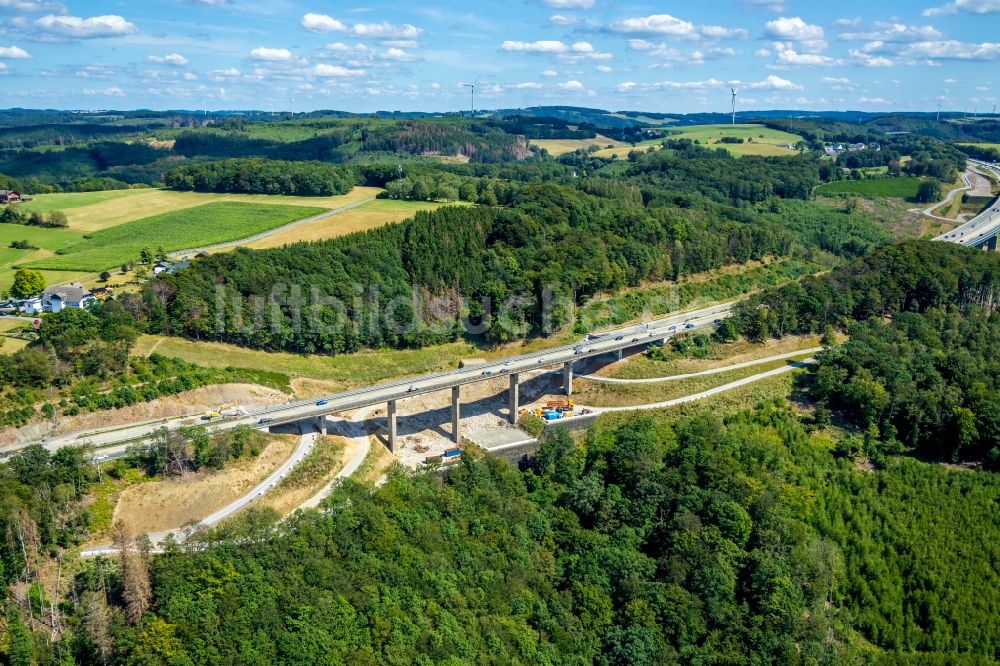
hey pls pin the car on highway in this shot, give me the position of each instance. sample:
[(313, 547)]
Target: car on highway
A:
[(672, 328), (411, 389), (264, 420), (619, 337), (579, 351), (320, 403), (487, 372), (634, 340), (716, 321), (689, 325), (508, 363)]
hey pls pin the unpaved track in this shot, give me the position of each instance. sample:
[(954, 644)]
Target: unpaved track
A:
[(710, 371), (271, 232)]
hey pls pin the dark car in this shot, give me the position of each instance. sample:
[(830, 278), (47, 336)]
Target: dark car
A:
[(264, 420), (620, 337)]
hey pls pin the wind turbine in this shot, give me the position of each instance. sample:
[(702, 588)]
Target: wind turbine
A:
[(994, 108), (939, 111), (733, 90), (472, 87)]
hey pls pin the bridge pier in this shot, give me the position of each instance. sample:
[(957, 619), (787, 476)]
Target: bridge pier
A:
[(568, 377), (991, 244), (456, 414), (321, 424), (391, 418), (512, 397)]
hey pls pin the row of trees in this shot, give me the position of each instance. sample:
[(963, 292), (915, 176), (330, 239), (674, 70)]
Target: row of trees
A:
[(258, 176), (13, 214)]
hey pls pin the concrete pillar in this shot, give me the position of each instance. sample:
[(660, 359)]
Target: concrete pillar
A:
[(620, 354), (991, 244), (321, 424), (512, 397), (568, 377), (456, 413), (391, 413)]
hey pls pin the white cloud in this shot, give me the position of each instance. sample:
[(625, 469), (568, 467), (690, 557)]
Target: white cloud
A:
[(336, 71), (576, 52), (541, 46), (656, 24), (604, 69), (720, 32), (33, 6), (838, 83), (527, 85), (776, 6), (875, 101), (762, 53), (965, 6), (772, 82), (273, 55), (848, 22), (950, 81), (399, 55), (321, 23), (569, 4), (794, 29), (893, 32), (868, 60), (113, 91), (384, 30), (952, 50), (550, 73), (13, 53), (571, 85), (175, 59), (75, 27), (787, 56), (3, 67)]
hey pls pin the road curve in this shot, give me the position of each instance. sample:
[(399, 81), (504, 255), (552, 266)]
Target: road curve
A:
[(305, 445), (703, 394), (710, 371)]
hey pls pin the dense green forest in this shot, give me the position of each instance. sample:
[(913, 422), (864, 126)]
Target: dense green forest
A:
[(256, 176), (919, 367), (749, 539), (671, 214)]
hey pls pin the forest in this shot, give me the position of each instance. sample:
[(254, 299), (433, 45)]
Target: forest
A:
[(257, 176), (918, 369), (671, 215), (650, 540)]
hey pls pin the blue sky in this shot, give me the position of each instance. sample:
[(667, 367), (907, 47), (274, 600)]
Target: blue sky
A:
[(614, 54)]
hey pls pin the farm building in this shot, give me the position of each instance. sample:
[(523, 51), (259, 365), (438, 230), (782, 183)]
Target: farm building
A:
[(9, 196), (54, 299)]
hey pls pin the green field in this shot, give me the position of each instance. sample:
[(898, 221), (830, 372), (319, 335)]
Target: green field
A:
[(766, 142), (45, 203), (189, 228), (994, 146), (904, 187)]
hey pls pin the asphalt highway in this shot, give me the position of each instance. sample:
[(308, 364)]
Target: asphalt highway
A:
[(113, 442)]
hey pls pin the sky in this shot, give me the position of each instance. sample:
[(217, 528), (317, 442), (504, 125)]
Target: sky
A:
[(668, 57)]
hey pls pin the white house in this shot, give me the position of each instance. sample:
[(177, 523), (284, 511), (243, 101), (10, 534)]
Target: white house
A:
[(54, 299), (159, 267), (31, 305)]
